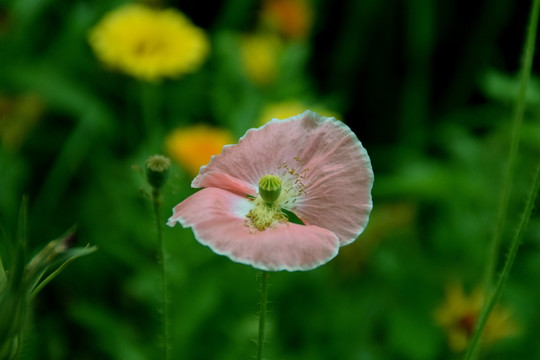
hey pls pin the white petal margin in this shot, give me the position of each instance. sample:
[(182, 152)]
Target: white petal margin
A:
[(217, 218), (338, 180), (338, 172)]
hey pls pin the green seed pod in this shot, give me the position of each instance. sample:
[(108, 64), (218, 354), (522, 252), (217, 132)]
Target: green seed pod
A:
[(270, 188)]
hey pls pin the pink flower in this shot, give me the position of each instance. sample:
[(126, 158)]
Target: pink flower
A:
[(308, 165)]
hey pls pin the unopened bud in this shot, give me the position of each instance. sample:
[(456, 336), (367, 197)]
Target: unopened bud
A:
[(157, 170)]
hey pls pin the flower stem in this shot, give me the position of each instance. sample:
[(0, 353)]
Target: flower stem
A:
[(472, 350), (517, 120), (161, 259), (262, 313)]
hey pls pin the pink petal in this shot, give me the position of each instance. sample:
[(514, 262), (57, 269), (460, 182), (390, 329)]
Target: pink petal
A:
[(339, 186), (228, 182), (338, 178), (217, 218)]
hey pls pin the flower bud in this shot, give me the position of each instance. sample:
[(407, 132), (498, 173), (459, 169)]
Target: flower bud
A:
[(157, 170)]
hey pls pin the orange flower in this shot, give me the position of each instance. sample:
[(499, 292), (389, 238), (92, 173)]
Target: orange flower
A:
[(192, 147), (290, 18)]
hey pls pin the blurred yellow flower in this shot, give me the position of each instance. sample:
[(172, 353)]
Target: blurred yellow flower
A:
[(260, 55), (148, 43), (458, 315), (192, 147), (291, 18), (286, 109)]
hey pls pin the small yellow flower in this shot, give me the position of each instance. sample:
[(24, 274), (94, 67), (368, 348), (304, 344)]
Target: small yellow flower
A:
[(286, 109), (291, 18), (192, 147), (458, 315), (148, 43), (260, 55)]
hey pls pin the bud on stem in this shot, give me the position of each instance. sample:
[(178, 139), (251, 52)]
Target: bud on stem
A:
[(157, 170)]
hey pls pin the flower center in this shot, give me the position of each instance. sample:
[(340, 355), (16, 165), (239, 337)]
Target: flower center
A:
[(148, 47), (467, 323), (269, 188), (266, 209), (264, 215), (278, 196)]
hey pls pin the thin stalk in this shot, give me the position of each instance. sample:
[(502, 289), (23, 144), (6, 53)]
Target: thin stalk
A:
[(161, 260), (517, 120), (472, 350), (262, 314)]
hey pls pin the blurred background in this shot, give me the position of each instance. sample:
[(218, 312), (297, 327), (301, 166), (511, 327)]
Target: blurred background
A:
[(428, 88)]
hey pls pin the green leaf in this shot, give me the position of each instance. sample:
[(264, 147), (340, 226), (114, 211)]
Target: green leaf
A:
[(292, 217), (64, 261)]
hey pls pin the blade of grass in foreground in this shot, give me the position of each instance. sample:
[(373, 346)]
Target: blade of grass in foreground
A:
[(472, 350), (517, 120)]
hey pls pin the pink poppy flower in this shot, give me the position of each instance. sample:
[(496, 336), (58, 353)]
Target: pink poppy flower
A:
[(311, 166)]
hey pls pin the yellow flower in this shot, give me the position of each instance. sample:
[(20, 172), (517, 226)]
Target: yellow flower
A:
[(458, 315), (290, 18), (192, 147), (286, 109), (260, 55), (148, 43)]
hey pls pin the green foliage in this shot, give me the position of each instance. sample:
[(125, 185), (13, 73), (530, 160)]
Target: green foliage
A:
[(21, 281), (428, 94)]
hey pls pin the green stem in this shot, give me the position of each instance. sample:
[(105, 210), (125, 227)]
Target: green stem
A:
[(517, 120), (161, 260), (262, 314), (472, 350)]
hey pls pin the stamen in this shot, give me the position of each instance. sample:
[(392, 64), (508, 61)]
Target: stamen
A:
[(277, 193)]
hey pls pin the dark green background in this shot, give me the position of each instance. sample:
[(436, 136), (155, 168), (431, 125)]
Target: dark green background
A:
[(427, 86)]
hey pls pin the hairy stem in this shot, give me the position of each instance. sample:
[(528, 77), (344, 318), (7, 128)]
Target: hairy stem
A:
[(161, 260), (472, 350), (517, 120), (262, 313)]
